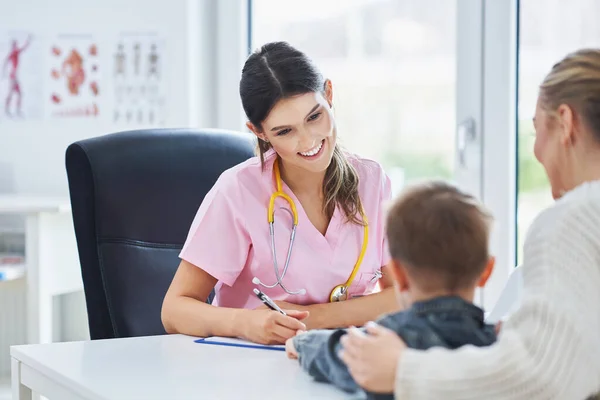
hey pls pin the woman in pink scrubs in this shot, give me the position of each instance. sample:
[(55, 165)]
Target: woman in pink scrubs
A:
[(289, 106)]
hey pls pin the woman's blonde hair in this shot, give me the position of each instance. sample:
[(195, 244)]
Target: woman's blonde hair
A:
[(575, 81)]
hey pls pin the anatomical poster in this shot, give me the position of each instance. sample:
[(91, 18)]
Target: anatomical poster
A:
[(21, 81), (139, 79), (74, 77)]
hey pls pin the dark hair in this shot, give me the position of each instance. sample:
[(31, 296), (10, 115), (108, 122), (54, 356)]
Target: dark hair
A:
[(440, 234), (277, 71)]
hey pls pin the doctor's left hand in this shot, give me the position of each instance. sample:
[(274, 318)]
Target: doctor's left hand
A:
[(284, 305)]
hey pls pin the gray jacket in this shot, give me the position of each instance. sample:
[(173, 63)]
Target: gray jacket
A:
[(448, 322)]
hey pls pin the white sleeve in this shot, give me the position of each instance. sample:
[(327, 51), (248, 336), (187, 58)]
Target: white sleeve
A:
[(549, 348)]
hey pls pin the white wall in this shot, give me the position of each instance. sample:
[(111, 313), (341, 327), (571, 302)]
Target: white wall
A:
[(32, 150)]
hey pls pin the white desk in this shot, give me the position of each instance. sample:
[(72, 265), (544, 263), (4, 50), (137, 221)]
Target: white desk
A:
[(169, 367), (52, 261)]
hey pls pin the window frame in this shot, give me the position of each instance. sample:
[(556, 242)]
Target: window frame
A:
[(487, 56)]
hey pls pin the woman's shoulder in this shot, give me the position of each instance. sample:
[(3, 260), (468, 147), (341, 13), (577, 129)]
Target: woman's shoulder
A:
[(562, 245), (245, 174), (367, 168), (373, 182), (575, 216), (362, 163)]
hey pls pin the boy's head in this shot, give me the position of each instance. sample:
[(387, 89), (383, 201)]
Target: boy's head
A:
[(438, 240)]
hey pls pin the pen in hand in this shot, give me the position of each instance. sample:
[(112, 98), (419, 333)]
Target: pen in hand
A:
[(268, 302)]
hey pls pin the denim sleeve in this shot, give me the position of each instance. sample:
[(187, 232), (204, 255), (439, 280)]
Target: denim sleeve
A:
[(318, 356)]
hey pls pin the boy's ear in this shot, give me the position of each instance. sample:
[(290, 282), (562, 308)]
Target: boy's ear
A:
[(399, 275), (487, 272)]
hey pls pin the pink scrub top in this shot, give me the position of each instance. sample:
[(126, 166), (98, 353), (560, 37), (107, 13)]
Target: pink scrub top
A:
[(229, 238)]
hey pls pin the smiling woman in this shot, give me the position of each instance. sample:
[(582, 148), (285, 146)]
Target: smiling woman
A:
[(297, 122), (334, 244)]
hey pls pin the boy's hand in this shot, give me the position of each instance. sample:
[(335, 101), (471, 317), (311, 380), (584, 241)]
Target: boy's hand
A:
[(290, 349)]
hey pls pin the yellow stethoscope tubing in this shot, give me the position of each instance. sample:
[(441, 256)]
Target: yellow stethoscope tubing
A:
[(363, 250), (271, 217), (280, 193)]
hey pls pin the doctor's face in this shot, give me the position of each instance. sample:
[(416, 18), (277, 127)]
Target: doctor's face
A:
[(301, 129)]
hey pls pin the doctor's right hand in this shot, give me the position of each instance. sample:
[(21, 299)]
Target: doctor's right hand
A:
[(270, 327)]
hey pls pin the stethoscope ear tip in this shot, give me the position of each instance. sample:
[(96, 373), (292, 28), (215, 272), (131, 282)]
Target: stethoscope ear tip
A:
[(256, 281), (302, 292)]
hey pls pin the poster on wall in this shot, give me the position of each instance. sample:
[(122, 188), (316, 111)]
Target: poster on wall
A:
[(139, 80), (21, 79), (74, 84)]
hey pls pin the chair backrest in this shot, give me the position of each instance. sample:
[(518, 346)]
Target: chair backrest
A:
[(134, 195)]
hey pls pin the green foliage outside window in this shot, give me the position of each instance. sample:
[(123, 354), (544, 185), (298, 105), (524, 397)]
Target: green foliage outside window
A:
[(531, 174)]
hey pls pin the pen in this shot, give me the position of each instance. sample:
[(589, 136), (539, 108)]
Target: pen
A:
[(268, 302)]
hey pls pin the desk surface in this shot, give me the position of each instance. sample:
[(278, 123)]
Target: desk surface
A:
[(23, 204), (171, 367)]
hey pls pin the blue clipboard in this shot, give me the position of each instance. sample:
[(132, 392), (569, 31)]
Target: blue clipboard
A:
[(237, 343)]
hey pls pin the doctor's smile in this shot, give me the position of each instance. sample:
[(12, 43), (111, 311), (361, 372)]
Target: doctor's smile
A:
[(314, 152)]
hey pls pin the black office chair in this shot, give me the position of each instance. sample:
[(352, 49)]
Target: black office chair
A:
[(134, 195)]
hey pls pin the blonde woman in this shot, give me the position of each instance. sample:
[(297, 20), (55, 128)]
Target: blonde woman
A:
[(550, 347)]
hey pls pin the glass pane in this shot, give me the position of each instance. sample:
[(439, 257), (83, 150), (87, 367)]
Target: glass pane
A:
[(392, 64), (548, 31)]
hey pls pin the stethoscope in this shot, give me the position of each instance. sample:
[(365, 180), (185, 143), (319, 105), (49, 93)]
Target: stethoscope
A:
[(339, 292)]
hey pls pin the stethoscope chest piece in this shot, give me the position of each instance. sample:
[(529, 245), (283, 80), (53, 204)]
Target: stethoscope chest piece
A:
[(339, 293)]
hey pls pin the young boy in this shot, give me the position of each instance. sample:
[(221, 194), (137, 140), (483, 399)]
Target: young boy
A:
[(438, 240)]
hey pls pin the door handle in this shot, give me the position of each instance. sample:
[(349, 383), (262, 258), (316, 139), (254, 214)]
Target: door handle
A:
[(465, 134)]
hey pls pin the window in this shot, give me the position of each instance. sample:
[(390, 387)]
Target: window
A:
[(393, 67), (548, 31)]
